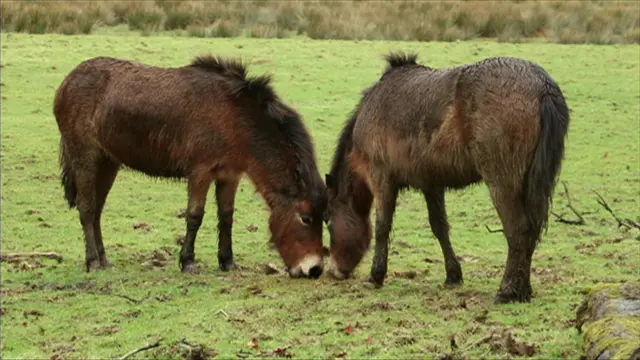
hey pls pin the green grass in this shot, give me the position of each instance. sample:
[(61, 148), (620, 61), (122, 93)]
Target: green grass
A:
[(81, 316)]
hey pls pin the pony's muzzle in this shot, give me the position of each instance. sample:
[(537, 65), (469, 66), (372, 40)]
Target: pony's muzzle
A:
[(310, 267), (335, 272)]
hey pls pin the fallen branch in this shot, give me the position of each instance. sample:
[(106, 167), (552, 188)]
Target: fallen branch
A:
[(484, 340), (134, 300), (140, 349), (186, 344), (196, 351), (13, 257), (494, 230), (628, 223), (560, 218), (243, 354), (224, 313)]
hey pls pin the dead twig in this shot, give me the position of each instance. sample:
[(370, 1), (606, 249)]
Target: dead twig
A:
[(140, 349), (628, 223), (224, 313), (134, 300), (186, 344), (243, 354), (560, 218), (192, 351), (484, 340), (493, 230), (14, 257)]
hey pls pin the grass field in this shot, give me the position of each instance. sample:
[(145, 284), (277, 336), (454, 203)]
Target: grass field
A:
[(56, 310)]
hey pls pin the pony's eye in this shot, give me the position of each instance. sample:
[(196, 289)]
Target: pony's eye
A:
[(306, 219)]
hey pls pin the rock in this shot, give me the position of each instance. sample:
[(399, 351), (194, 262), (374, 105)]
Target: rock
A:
[(609, 317)]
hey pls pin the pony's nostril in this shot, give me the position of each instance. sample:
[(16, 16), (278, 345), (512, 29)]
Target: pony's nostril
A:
[(315, 272)]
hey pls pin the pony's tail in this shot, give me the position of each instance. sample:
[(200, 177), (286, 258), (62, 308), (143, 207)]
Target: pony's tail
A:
[(68, 177), (545, 166)]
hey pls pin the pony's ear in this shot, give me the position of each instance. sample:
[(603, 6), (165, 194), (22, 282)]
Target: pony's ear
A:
[(328, 179)]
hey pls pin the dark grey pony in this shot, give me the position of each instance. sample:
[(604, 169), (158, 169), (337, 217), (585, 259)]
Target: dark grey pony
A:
[(501, 120)]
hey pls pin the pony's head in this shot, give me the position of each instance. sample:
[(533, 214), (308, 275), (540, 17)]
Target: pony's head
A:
[(296, 233), (348, 221)]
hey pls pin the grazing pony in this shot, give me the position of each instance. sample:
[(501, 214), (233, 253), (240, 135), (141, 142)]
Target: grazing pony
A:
[(501, 120), (206, 122)]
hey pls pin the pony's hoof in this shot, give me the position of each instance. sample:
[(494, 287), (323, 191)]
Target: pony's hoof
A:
[(93, 266), (454, 278), (189, 268), (512, 296), (452, 282), (377, 283), (105, 264), (229, 265)]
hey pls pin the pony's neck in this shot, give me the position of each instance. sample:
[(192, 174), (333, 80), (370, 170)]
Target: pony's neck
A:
[(353, 187), (361, 195), (272, 185), (278, 186)]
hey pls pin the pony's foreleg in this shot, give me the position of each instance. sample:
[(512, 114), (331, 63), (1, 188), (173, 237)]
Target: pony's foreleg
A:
[(440, 228), (198, 185), (225, 197), (385, 193)]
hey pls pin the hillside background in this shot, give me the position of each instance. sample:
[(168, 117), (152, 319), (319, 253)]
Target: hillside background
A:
[(599, 22)]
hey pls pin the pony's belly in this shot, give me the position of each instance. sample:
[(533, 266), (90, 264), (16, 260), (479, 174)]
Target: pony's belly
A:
[(417, 164), (156, 163)]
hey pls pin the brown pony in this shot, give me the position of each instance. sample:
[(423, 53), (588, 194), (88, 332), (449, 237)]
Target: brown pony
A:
[(205, 122), (502, 121)]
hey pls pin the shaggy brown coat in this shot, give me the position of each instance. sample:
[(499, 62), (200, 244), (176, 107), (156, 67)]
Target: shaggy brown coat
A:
[(206, 122), (501, 120)]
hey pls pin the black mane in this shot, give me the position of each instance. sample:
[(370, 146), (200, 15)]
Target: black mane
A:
[(395, 60), (233, 69), (339, 167), (290, 123), (288, 120), (400, 59)]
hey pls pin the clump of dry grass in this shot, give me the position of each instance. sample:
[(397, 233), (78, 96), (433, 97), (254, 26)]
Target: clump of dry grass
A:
[(592, 21)]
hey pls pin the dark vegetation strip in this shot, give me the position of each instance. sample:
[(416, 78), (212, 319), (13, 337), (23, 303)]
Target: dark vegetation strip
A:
[(598, 21)]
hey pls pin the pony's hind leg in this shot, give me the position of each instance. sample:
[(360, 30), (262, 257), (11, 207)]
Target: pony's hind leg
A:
[(522, 240), (85, 173), (107, 172), (386, 194), (440, 228), (198, 185), (225, 197)]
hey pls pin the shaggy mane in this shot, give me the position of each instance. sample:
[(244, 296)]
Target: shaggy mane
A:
[(289, 121), (400, 59), (258, 87)]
